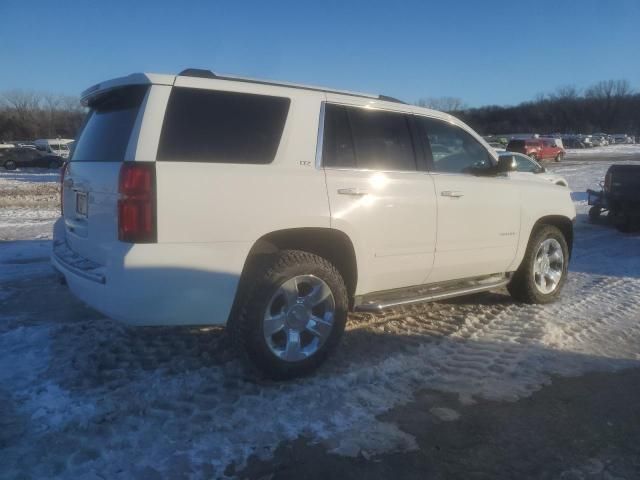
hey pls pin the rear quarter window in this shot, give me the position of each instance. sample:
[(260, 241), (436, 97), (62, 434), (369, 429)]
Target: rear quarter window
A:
[(222, 127), (108, 125)]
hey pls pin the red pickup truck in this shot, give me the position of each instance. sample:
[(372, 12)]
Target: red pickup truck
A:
[(537, 148)]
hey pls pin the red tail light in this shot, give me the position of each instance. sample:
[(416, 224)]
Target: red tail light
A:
[(63, 172), (137, 203)]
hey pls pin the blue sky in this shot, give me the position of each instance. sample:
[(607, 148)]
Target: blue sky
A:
[(485, 52)]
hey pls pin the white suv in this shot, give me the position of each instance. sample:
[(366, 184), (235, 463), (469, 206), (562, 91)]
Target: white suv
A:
[(277, 208)]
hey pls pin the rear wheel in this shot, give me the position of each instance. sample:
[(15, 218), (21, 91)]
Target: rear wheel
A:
[(544, 268), (291, 314), (10, 165), (533, 156), (54, 164)]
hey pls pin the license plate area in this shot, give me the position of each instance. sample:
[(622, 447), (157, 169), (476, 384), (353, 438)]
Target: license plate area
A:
[(82, 205)]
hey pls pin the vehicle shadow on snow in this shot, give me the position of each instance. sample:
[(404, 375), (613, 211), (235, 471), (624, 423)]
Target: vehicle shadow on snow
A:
[(156, 391)]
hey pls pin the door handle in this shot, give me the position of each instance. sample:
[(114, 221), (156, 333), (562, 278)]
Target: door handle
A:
[(354, 192), (451, 193)]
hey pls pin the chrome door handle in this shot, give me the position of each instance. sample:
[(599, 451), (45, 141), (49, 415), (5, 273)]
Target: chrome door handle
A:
[(451, 193), (354, 192)]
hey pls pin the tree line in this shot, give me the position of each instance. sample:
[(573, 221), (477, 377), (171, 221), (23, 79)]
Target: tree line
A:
[(27, 115), (610, 106)]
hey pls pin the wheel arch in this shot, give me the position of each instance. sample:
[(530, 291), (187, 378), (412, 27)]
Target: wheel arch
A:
[(562, 223), (329, 243)]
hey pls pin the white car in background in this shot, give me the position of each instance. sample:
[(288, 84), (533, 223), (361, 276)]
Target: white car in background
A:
[(527, 166)]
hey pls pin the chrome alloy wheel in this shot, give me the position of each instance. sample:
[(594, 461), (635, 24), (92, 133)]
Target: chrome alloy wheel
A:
[(299, 318), (548, 266)]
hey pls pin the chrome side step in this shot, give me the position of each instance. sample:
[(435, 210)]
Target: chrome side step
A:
[(378, 301)]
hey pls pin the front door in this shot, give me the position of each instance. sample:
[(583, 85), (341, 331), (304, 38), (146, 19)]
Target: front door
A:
[(478, 210), (377, 195)]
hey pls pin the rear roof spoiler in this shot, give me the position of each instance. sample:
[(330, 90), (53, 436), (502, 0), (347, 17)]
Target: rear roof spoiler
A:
[(133, 79), (158, 79)]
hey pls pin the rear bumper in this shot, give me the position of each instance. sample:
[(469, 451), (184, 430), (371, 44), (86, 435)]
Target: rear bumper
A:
[(156, 284)]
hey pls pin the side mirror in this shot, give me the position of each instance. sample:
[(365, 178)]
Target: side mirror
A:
[(507, 163)]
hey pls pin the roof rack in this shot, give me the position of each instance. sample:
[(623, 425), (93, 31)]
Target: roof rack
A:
[(203, 73)]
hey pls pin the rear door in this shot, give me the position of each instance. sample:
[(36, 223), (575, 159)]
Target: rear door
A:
[(478, 211), (90, 190), (378, 195)]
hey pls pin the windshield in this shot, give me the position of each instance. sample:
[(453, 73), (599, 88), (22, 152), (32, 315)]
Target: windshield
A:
[(108, 125)]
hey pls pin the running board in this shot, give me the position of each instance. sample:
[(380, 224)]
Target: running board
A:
[(378, 301)]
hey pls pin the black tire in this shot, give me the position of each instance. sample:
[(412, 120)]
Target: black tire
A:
[(533, 156), (559, 157), (266, 277), (54, 164), (10, 165), (522, 286), (594, 213)]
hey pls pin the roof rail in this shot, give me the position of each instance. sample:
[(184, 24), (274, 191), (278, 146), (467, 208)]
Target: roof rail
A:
[(197, 72), (387, 98), (203, 73)]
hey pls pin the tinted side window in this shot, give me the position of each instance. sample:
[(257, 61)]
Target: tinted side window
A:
[(221, 127), (453, 149), (382, 140), (337, 143)]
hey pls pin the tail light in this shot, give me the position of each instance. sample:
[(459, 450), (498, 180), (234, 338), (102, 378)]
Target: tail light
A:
[(63, 172), (137, 203)]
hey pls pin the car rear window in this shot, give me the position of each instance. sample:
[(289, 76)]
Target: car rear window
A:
[(222, 127), (108, 125)]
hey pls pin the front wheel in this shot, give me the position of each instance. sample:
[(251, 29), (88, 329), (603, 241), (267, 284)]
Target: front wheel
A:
[(544, 268), (291, 314), (10, 165), (559, 157)]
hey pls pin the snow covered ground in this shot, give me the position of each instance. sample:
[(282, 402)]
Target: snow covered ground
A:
[(605, 152), (85, 397)]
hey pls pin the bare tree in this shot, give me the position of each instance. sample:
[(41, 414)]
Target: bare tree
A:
[(444, 104), (25, 115), (609, 89)]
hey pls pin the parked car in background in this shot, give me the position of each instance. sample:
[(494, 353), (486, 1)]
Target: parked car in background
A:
[(528, 166), (177, 209), (54, 146), (599, 141), (573, 142), (537, 148), (620, 138), (20, 157)]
